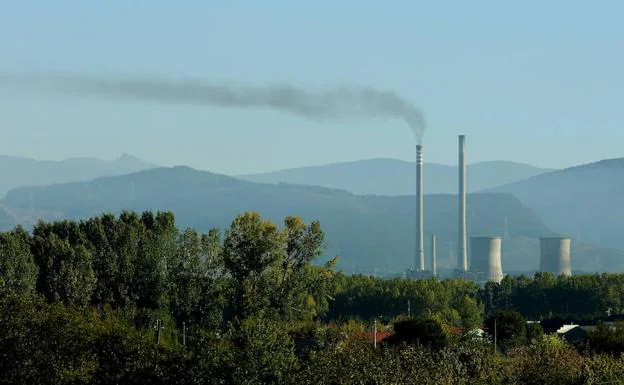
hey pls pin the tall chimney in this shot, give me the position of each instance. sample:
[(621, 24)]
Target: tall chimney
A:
[(434, 267), (420, 242), (462, 257)]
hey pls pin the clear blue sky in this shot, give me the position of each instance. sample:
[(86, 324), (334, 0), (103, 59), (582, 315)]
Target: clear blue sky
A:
[(531, 81)]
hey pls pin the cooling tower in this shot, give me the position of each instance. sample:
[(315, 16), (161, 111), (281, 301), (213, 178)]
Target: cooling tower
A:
[(462, 256), (555, 255), (420, 238), (485, 255), (434, 267)]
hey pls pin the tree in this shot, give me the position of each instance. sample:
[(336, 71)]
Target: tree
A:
[(157, 242), (607, 339), (65, 271), (534, 332), (105, 260), (18, 272), (510, 328), (471, 313), (214, 287), (303, 245), (185, 276), (265, 352), (251, 246), (427, 332)]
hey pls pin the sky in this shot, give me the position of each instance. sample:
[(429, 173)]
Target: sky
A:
[(538, 82)]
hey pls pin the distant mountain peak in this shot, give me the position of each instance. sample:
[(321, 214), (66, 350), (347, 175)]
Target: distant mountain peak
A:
[(33, 172), (125, 157)]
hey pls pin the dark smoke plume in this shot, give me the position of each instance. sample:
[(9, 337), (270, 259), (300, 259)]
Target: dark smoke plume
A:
[(336, 103)]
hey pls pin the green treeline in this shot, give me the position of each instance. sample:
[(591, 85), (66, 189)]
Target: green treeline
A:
[(133, 299), (579, 297)]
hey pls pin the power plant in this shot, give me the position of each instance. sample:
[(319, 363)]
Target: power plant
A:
[(485, 254), (555, 255), (485, 263)]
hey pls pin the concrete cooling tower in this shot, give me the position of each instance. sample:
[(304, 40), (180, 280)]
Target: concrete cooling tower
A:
[(485, 255), (555, 255)]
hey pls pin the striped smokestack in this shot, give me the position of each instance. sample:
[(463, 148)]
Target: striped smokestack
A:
[(420, 242), (462, 257)]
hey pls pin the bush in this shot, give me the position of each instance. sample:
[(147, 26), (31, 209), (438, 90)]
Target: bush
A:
[(427, 332)]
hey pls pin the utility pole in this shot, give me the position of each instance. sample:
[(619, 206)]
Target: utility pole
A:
[(409, 308), (494, 334), (159, 326), (375, 334), (183, 333)]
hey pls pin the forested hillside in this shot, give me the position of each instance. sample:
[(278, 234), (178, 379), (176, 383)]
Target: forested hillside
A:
[(368, 232)]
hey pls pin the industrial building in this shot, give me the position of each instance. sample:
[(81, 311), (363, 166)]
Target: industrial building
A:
[(485, 263)]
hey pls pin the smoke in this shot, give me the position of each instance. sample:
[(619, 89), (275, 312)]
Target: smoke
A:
[(337, 103)]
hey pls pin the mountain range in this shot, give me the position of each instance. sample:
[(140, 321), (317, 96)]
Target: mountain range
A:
[(388, 177), (391, 177), (19, 172), (586, 202), (367, 232)]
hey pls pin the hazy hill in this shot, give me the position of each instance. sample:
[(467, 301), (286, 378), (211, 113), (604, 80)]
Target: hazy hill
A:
[(391, 177), (18, 172), (366, 231), (7, 220), (585, 201)]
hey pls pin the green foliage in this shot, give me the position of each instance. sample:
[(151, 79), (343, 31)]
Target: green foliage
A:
[(509, 328), (18, 272), (193, 276), (544, 295), (427, 332), (80, 302), (355, 362), (471, 313), (271, 268), (264, 353), (368, 297), (534, 332), (56, 344), (251, 246), (602, 369), (294, 275), (550, 361), (607, 339), (65, 264)]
